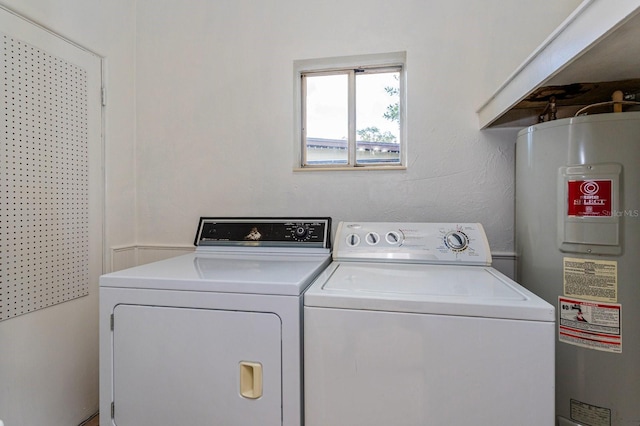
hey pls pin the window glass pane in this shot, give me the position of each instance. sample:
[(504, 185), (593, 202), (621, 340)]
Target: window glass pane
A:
[(327, 116), (378, 117)]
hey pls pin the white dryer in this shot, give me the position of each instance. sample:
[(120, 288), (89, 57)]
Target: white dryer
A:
[(212, 337), (411, 326)]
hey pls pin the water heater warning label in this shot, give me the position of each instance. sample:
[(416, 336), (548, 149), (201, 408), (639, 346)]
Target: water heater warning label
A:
[(590, 325), (589, 198), (591, 279), (590, 414)]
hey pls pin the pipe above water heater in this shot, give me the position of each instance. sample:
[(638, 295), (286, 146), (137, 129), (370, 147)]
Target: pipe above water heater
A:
[(617, 100), (550, 110)]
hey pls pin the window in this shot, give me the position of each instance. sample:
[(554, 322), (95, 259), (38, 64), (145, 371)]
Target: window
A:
[(352, 116)]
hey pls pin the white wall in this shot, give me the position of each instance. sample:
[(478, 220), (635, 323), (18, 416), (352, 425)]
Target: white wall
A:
[(215, 109), (49, 358), (199, 121)]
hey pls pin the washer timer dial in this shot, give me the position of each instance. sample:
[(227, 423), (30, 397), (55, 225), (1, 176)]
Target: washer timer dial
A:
[(456, 241)]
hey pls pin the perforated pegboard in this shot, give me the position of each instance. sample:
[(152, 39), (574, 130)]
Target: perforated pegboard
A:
[(44, 172)]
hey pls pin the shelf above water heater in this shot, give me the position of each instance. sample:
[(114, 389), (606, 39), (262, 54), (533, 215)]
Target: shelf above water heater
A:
[(584, 61)]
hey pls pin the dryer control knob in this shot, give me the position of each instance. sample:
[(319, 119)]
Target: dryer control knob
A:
[(301, 232)]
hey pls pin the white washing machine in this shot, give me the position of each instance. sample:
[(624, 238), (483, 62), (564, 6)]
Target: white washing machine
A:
[(212, 337), (410, 326)]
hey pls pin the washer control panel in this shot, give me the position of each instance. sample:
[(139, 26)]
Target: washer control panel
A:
[(265, 232), (440, 243)]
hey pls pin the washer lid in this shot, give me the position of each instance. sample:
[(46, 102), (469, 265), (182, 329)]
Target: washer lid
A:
[(427, 289), (228, 272)]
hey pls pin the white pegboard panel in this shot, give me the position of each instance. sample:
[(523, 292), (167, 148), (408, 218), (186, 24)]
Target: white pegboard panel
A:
[(44, 187)]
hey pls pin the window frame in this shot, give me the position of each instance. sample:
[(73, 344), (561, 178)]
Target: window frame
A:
[(391, 62)]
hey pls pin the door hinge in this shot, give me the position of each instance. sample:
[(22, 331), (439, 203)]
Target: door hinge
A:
[(113, 409), (103, 95), (111, 321)]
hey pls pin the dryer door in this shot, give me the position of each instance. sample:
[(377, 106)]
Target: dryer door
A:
[(179, 366)]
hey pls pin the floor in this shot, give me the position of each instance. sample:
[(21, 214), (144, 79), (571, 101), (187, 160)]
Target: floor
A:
[(94, 421)]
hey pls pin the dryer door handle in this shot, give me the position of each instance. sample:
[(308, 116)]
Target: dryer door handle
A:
[(250, 379)]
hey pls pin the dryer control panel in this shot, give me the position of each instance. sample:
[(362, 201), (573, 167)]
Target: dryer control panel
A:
[(264, 232), (439, 243)]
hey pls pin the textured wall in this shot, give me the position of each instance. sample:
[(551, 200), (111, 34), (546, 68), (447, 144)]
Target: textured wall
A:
[(199, 121), (215, 109)]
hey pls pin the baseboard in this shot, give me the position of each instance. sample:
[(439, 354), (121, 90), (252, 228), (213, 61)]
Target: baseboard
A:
[(505, 262)]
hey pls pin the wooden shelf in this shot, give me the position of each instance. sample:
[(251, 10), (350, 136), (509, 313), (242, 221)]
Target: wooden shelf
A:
[(594, 52)]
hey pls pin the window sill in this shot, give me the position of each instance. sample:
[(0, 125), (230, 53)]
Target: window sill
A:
[(346, 168)]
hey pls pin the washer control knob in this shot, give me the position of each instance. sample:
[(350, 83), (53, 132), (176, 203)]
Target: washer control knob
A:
[(353, 240), (456, 240), (393, 237), (372, 238)]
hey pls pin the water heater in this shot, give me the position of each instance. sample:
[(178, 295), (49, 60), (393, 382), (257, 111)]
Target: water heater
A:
[(578, 247)]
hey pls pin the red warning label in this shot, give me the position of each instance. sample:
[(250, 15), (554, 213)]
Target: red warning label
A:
[(592, 325), (589, 198)]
